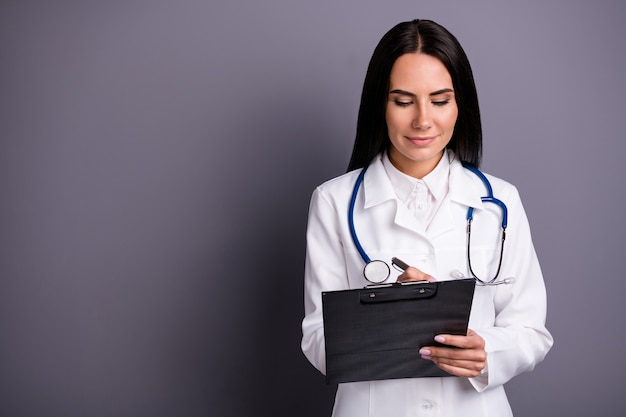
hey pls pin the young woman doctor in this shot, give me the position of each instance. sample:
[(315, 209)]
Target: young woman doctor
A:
[(418, 125)]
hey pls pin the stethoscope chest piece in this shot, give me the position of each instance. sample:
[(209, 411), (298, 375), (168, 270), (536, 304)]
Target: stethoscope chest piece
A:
[(376, 271)]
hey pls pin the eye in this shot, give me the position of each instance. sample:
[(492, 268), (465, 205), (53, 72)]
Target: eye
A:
[(441, 102), (402, 103)]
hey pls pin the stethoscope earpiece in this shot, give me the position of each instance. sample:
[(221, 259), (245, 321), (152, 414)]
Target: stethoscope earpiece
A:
[(456, 274)]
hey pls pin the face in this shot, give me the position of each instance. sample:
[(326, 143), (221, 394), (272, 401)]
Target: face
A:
[(421, 113)]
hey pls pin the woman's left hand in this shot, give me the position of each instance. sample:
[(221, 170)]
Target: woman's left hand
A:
[(463, 355)]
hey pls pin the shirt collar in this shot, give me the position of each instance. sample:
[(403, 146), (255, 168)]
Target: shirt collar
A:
[(467, 187), (436, 180)]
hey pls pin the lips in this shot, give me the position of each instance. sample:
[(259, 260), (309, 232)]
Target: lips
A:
[(421, 140)]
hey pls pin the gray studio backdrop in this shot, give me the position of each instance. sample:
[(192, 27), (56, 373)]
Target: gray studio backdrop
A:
[(156, 164)]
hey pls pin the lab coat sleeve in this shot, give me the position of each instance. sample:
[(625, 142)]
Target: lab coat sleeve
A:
[(518, 340), (324, 271)]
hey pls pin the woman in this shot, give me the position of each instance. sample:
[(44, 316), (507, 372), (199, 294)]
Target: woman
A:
[(418, 125)]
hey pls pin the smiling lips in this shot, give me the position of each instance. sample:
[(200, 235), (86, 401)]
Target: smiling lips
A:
[(421, 141)]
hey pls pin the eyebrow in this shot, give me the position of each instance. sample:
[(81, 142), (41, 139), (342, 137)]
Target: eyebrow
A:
[(434, 93)]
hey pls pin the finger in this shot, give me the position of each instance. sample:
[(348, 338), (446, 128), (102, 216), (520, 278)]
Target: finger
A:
[(460, 357), (457, 368), (471, 341), (462, 366), (412, 274), (450, 355), (465, 370)]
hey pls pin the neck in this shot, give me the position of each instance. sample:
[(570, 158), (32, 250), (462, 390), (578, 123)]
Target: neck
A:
[(415, 169)]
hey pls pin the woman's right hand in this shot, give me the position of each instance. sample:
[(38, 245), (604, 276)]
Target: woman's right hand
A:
[(413, 274)]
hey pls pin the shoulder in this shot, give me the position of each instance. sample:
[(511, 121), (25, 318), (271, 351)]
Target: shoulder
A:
[(340, 183), (502, 189), (500, 186), (334, 194)]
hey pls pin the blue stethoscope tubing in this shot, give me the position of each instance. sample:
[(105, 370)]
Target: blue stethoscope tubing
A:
[(375, 271), (355, 238), (489, 198)]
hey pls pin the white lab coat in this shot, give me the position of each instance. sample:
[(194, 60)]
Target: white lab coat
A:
[(510, 318)]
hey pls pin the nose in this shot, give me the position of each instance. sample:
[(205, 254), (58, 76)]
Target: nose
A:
[(421, 121)]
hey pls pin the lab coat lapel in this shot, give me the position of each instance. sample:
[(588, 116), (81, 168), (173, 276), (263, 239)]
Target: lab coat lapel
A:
[(443, 221), (463, 193), (378, 190)]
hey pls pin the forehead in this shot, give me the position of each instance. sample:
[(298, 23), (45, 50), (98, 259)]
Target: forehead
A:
[(418, 72)]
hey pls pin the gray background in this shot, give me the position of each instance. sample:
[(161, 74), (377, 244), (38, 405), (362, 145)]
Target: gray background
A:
[(156, 164)]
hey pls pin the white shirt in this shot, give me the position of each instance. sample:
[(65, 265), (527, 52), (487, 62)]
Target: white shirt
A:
[(421, 196), (510, 318)]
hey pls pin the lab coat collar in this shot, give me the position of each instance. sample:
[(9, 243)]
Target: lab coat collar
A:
[(404, 185), (378, 190), (377, 187), (464, 189)]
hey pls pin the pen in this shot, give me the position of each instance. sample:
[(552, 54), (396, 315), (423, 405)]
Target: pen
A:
[(399, 264)]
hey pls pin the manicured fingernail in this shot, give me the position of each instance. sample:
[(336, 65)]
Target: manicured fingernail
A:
[(440, 339), (424, 352)]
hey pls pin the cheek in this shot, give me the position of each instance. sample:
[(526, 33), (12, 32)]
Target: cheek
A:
[(452, 119), (447, 121), (389, 119), (395, 121)]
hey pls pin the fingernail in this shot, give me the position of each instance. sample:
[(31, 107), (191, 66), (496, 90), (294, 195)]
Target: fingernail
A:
[(424, 352), (440, 339)]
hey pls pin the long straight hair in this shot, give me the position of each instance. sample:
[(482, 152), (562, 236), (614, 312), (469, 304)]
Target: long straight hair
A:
[(427, 37)]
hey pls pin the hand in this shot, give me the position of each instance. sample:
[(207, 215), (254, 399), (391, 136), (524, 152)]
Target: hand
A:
[(466, 356), (414, 274)]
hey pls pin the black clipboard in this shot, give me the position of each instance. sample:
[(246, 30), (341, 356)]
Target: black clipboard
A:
[(376, 332)]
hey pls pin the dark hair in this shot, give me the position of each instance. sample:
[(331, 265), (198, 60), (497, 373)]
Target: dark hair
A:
[(430, 38)]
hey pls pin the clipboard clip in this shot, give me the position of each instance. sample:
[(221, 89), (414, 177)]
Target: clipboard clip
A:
[(398, 291), (396, 284)]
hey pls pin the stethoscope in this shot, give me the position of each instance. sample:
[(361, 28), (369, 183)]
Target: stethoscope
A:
[(377, 271)]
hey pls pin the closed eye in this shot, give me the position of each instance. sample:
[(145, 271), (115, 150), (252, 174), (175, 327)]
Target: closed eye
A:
[(441, 102), (401, 103)]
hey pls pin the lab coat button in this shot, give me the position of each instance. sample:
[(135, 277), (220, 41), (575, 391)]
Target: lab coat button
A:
[(427, 406)]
